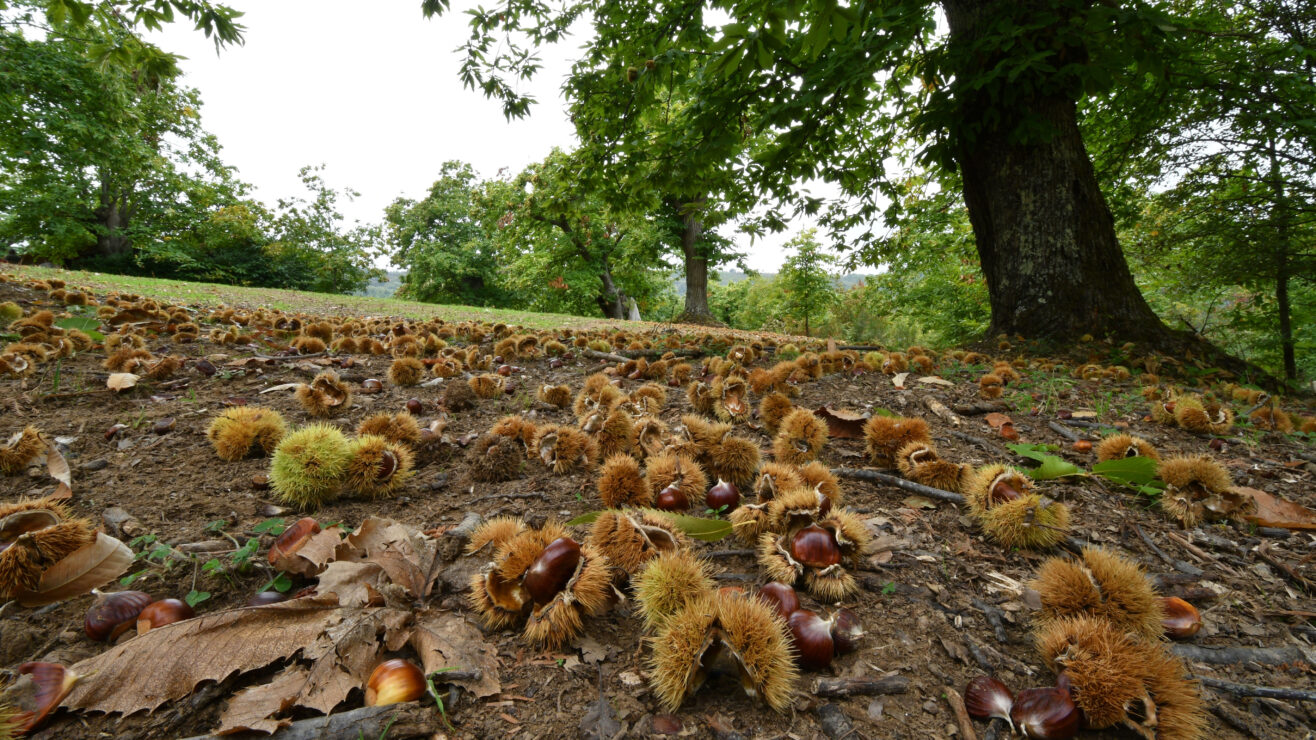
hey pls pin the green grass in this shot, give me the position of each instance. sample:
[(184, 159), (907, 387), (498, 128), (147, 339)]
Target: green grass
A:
[(210, 295)]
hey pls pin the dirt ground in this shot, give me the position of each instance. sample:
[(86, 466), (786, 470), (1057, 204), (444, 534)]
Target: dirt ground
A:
[(931, 589)]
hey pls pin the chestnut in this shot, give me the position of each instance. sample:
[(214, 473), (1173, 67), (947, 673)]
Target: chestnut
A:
[(1045, 713), (671, 499), (781, 596), (293, 538), (265, 598), (162, 612), (1003, 492), (394, 681), (1181, 620), (723, 496), (414, 406), (846, 631), (552, 569), (815, 547), (113, 614), (372, 385), (986, 697), (46, 686), (814, 647)]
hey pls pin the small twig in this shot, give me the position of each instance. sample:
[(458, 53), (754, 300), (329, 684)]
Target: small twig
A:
[(1067, 434), (971, 439), (730, 553), (1178, 565), (993, 618), (956, 703), (841, 688), (1200, 553), (532, 494), (610, 357), (1270, 692), (978, 654), (1237, 655), (1086, 424), (1263, 551), (898, 482), (973, 409)]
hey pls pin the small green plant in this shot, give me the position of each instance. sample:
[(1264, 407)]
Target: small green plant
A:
[(438, 700)]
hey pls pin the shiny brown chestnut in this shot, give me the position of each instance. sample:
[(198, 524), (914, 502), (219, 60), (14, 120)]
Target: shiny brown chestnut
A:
[(113, 614), (394, 681), (723, 496), (986, 697), (812, 635), (1181, 620), (815, 547), (372, 385), (293, 538), (552, 569), (671, 498), (265, 598), (846, 631), (1047, 713), (414, 406), (39, 690), (780, 596), (162, 612)]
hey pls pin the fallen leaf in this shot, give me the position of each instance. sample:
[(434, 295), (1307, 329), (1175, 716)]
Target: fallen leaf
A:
[(1008, 431), (251, 708), (58, 468), (841, 423), (935, 380), (898, 380), (996, 420), (311, 558), (82, 570), (356, 584), (592, 650), (1273, 511), (447, 640), (919, 502), (168, 662), (342, 658), (118, 382)]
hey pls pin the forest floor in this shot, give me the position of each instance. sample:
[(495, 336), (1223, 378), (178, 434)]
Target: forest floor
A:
[(939, 602)]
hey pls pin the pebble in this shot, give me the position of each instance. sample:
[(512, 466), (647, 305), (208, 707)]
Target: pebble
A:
[(99, 463)]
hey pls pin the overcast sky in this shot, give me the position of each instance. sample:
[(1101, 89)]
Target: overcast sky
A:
[(370, 90)]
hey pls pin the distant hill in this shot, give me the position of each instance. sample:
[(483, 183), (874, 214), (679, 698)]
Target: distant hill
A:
[(385, 289), (735, 276)]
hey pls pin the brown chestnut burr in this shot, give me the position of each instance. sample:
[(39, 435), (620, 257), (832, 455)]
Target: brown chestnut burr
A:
[(113, 614), (551, 571), (671, 499), (394, 681), (162, 612), (986, 697), (1182, 620), (293, 538), (1047, 713), (780, 596), (812, 635), (723, 496), (815, 547)]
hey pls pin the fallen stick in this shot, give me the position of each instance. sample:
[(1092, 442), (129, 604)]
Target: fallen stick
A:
[(993, 618), (1270, 692), (393, 720), (1178, 565), (610, 357), (956, 703), (842, 688), (940, 409), (973, 409), (1237, 655), (1067, 434), (1086, 424), (898, 482), (971, 439)]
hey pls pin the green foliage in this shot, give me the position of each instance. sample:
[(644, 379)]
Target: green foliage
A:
[(1051, 466), (808, 287), (313, 249)]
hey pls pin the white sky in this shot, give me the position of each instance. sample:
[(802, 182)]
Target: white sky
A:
[(371, 90)]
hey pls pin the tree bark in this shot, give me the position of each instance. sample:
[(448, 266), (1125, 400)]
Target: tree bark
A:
[(1045, 237), (111, 241), (696, 263), (1283, 240)]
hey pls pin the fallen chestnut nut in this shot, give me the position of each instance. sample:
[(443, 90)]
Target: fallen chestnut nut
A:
[(372, 385), (293, 538), (162, 612), (265, 598), (504, 370), (1082, 445), (113, 614), (163, 426), (1003, 492), (414, 406), (555, 363), (1181, 620), (846, 631), (260, 481), (552, 569), (671, 499), (205, 367), (815, 547), (394, 681), (986, 697), (113, 431), (1047, 713), (45, 687), (812, 635), (780, 596), (723, 496)]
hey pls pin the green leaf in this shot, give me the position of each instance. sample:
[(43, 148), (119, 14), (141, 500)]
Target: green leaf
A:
[(878, 411), (1054, 467), (708, 530), (587, 518), (1132, 471), (81, 323), (195, 597), (273, 526), (1033, 451)]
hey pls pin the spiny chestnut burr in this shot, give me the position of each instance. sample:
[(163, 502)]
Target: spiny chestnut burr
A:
[(723, 496), (113, 614), (1045, 713), (1181, 620), (781, 596), (293, 538), (986, 697), (162, 612), (815, 547), (552, 569), (814, 646), (394, 681), (671, 499)]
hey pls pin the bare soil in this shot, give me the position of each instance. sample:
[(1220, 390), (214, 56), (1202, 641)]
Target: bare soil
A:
[(924, 589)]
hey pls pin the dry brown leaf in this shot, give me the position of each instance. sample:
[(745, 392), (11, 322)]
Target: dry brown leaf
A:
[(400, 570), (252, 708), (343, 657), (1008, 431), (168, 662), (120, 381), (996, 420), (311, 558), (898, 380), (841, 423), (935, 380), (1273, 511), (447, 640), (58, 468), (376, 534), (84, 569), (356, 584)]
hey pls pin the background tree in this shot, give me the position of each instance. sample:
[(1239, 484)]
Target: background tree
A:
[(314, 246), (808, 286), (448, 254)]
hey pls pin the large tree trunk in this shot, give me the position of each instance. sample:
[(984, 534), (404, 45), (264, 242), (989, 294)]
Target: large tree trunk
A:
[(696, 264), (1044, 234), (613, 301), (111, 241)]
